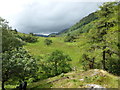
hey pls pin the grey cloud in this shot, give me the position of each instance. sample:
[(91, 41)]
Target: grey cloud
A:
[(53, 16)]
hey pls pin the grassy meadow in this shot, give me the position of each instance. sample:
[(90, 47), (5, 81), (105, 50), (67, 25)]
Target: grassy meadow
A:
[(74, 50)]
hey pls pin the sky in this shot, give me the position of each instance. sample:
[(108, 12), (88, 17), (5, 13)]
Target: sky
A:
[(46, 16)]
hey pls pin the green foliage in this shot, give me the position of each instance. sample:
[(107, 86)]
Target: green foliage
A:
[(107, 9), (87, 62), (28, 38), (69, 38), (113, 64), (48, 42), (84, 21), (104, 38), (59, 62), (9, 41), (18, 64), (56, 64)]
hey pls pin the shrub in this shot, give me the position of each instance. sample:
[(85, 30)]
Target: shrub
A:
[(28, 38), (69, 38), (47, 42), (59, 62)]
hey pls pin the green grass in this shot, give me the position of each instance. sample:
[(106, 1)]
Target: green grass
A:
[(39, 49), (94, 76)]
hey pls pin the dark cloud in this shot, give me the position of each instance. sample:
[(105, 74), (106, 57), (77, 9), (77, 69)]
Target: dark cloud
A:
[(49, 17)]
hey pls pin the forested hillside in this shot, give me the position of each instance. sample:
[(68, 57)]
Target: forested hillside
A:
[(102, 35), (84, 54), (79, 25)]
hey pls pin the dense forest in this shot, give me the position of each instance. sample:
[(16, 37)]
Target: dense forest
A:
[(92, 43)]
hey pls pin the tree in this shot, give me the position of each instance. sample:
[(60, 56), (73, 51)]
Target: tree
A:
[(9, 41), (104, 38), (17, 65), (47, 42), (16, 62), (103, 26), (87, 62), (59, 62), (103, 42)]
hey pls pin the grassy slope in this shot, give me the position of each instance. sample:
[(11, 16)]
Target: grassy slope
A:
[(72, 49), (78, 79)]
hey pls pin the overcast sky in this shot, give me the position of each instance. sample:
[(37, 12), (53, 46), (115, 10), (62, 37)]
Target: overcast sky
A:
[(45, 16)]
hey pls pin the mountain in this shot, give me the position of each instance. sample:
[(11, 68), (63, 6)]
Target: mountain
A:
[(63, 31), (79, 25), (53, 34)]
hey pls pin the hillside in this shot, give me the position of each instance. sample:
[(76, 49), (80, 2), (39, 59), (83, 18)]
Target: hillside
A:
[(88, 45), (79, 79), (85, 55), (78, 27)]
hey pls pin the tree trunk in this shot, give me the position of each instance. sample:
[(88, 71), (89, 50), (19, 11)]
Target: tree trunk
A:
[(56, 72), (3, 88), (92, 65), (104, 58)]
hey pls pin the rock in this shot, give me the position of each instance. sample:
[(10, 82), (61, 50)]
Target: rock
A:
[(93, 86), (81, 79)]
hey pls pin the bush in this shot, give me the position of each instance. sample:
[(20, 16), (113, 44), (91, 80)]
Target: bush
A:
[(59, 63), (28, 38), (69, 38), (48, 42)]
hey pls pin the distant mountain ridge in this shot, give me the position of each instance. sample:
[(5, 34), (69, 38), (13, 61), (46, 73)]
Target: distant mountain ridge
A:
[(84, 21), (41, 34), (58, 33)]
